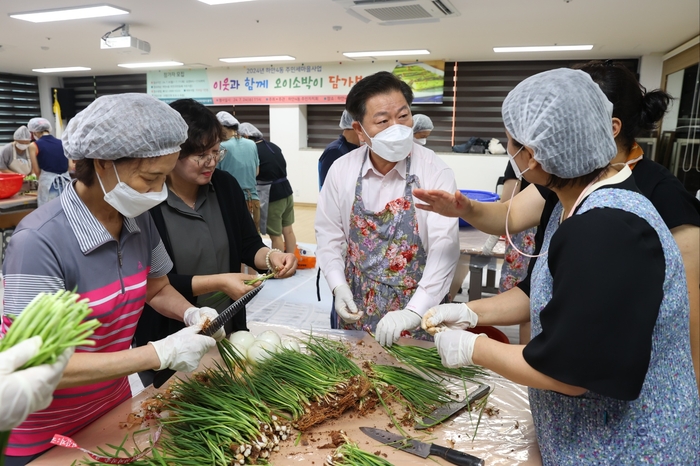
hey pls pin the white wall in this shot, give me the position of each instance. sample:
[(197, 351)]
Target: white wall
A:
[(46, 96), (650, 71)]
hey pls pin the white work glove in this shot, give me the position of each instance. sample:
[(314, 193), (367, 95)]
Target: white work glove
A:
[(454, 316), (393, 323), (345, 304), (456, 347), (199, 315), (183, 350), (26, 391)]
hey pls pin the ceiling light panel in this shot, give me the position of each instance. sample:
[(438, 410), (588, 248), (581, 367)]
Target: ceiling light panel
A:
[(61, 70), (155, 64), (257, 59), (386, 53), (64, 14), (222, 2), (545, 48)]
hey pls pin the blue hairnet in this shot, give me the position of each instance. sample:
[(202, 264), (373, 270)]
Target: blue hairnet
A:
[(565, 118), (345, 120), (39, 125), (422, 123), (124, 125), (248, 130)]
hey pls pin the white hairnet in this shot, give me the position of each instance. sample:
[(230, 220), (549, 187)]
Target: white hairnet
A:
[(345, 120), (565, 117), (226, 119), (22, 134), (124, 125), (422, 123), (39, 125), (248, 130)]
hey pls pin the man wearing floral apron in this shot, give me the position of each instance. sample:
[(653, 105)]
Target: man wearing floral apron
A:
[(386, 261)]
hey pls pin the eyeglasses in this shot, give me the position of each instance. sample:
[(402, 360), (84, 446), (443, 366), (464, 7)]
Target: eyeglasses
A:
[(204, 159)]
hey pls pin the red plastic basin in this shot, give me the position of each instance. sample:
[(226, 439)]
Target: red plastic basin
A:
[(10, 184)]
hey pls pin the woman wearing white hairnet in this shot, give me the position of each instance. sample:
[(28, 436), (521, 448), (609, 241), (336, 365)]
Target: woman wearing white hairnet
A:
[(14, 157), (422, 127), (49, 162), (609, 363), (98, 239)]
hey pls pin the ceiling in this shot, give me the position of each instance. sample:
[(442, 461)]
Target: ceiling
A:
[(198, 34)]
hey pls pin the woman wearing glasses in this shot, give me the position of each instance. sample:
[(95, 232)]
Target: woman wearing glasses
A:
[(206, 229)]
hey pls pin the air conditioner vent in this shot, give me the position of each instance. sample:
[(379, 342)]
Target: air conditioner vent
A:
[(399, 11)]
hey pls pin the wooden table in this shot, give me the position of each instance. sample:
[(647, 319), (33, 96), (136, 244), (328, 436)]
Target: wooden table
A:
[(471, 244), (12, 211), (507, 438)]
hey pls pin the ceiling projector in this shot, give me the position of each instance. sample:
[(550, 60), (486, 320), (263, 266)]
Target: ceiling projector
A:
[(124, 42)]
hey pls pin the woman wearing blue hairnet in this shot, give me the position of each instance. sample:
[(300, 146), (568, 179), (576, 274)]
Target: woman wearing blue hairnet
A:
[(609, 363), (99, 240)]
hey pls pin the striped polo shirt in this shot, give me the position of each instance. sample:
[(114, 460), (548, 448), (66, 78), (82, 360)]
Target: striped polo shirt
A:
[(63, 246)]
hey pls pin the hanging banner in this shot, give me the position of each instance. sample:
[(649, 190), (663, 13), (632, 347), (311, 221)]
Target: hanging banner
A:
[(326, 83)]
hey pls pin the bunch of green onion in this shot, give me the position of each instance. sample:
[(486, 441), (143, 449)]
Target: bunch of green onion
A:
[(427, 361), (289, 381), (218, 418), (421, 395), (334, 355), (349, 454), (59, 319)]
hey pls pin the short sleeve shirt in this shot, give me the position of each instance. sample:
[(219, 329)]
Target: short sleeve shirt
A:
[(242, 162), (62, 246), (6, 157)]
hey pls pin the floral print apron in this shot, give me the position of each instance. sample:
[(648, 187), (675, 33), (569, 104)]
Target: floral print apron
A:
[(385, 259), (662, 426)]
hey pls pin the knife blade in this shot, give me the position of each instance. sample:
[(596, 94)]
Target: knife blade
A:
[(422, 449), (445, 411), (227, 314)]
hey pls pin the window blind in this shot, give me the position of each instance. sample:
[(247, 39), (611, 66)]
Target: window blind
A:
[(257, 115), (19, 102)]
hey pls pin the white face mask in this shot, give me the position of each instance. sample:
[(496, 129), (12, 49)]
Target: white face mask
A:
[(421, 141), (516, 169), (21, 146), (129, 202), (392, 144)]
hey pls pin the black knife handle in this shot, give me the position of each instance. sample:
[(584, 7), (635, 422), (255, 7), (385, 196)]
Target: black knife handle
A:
[(162, 376), (455, 456)]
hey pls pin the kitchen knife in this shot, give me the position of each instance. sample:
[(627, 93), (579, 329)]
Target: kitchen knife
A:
[(422, 449), (227, 314), (444, 412)]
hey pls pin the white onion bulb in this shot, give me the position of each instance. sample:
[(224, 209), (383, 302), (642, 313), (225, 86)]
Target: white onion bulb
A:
[(271, 337), (259, 351), (242, 339), (291, 344)]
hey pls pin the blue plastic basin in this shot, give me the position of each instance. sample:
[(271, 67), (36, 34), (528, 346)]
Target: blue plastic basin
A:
[(480, 196)]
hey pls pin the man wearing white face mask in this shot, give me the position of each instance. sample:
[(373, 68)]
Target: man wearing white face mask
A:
[(14, 157), (98, 239), (386, 263)]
